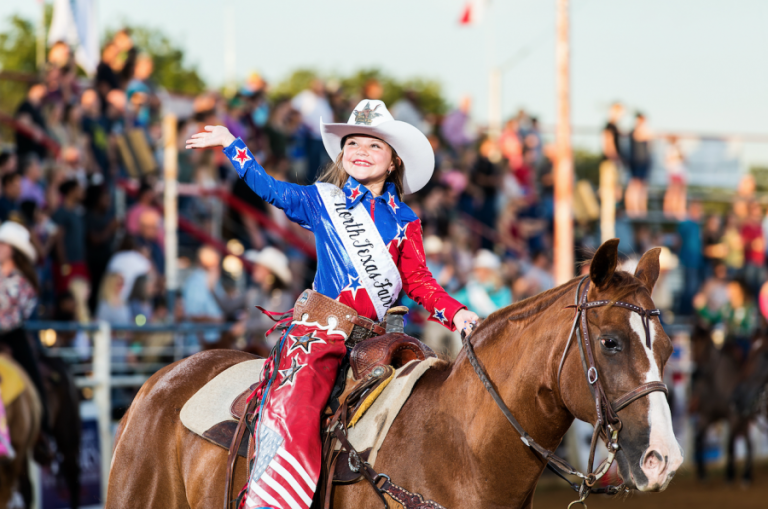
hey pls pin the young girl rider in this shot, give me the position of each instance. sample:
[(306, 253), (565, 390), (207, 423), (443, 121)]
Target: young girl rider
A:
[(369, 247)]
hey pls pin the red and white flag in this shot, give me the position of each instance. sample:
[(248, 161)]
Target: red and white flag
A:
[(472, 13)]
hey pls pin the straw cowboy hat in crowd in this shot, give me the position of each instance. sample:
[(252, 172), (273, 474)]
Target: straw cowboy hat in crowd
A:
[(372, 118), (272, 259), (17, 236)]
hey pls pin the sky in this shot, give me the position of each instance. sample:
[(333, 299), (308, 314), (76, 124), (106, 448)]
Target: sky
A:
[(690, 65)]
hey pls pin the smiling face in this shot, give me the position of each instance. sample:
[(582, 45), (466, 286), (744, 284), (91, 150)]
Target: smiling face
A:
[(367, 159)]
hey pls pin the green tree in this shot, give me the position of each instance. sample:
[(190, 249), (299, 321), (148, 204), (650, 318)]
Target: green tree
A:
[(299, 80), (587, 165), (428, 92), (17, 55)]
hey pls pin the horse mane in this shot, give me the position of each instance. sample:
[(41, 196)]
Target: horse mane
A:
[(626, 282)]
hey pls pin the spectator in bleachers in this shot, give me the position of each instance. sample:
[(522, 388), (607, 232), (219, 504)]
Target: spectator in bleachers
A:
[(457, 127), (30, 115), (690, 254), (536, 277), (639, 157), (140, 91), (713, 295), (485, 291), (734, 246), (70, 247), (486, 179), (148, 239), (112, 307), (313, 105), (269, 289), (200, 305), (715, 249), (101, 227), (754, 248), (8, 162), (146, 200), (95, 131), (129, 263), (31, 181), (9, 201)]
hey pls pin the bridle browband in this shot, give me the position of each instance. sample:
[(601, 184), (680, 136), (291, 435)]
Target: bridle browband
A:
[(608, 422)]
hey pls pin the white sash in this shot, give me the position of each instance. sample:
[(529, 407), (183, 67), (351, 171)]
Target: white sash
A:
[(365, 247)]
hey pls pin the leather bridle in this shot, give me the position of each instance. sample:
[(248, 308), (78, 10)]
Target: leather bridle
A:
[(608, 423)]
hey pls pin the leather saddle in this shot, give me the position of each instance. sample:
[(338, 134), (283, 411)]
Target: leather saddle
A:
[(372, 362)]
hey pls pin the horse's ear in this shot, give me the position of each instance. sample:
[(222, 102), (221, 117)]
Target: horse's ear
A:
[(604, 263), (648, 268)]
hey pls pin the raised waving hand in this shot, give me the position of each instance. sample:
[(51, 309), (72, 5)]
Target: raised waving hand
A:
[(214, 136)]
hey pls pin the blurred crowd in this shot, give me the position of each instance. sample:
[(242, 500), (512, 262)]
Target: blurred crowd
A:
[(84, 174)]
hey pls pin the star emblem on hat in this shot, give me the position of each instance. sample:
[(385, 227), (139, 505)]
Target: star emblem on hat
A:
[(305, 342), (353, 286), (391, 202), (354, 192), (400, 236), (289, 375), (366, 115), (242, 156), (440, 315)]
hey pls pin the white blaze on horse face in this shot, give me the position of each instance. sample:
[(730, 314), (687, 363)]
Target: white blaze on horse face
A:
[(663, 456)]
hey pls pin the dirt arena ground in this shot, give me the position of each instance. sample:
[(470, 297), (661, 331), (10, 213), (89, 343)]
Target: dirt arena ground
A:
[(685, 492)]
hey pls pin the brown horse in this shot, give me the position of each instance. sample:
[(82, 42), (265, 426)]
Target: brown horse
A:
[(23, 414), (725, 388), (451, 442), (65, 424)]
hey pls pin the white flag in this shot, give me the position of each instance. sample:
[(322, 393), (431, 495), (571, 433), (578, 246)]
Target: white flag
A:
[(74, 22)]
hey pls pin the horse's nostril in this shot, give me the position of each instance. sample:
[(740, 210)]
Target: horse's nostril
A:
[(653, 461)]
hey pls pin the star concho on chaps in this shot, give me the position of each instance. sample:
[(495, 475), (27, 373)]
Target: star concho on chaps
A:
[(288, 454)]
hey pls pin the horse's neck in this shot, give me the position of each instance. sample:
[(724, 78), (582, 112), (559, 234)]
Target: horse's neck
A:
[(521, 361)]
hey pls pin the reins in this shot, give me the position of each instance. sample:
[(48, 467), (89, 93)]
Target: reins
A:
[(608, 422)]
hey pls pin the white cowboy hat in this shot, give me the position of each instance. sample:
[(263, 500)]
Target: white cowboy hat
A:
[(485, 259), (372, 118), (433, 245), (274, 260), (16, 235)]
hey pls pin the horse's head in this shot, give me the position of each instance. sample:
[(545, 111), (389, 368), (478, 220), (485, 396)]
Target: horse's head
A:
[(648, 453)]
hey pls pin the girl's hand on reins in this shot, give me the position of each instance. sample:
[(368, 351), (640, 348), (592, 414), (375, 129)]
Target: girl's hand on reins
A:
[(465, 320), (215, 136)]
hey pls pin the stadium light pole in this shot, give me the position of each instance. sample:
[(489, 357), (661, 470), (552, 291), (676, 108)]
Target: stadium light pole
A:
[(171, 220), (563, 173)]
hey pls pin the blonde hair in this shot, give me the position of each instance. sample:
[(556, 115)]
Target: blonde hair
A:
[(109, 291), (334, 172)]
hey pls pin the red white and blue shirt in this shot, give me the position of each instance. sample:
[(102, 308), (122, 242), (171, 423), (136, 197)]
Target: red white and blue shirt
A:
[(336, 277)]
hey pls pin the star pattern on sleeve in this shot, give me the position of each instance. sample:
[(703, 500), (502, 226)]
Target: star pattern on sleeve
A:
[(242, 156), (400, 236), (439, 315)]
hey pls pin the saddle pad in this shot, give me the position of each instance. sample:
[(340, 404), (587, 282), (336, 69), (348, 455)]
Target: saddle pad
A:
[(210, 405), (11, 380), (371, 430)]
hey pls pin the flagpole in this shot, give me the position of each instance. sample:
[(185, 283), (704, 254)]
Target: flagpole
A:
[(563, 262), (494, 104), (41, 38)]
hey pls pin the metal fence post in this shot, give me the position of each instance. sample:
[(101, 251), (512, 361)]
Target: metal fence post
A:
[(102, 396)]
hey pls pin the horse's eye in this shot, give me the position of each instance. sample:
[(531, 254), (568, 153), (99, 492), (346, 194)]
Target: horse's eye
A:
[(609, 343)]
